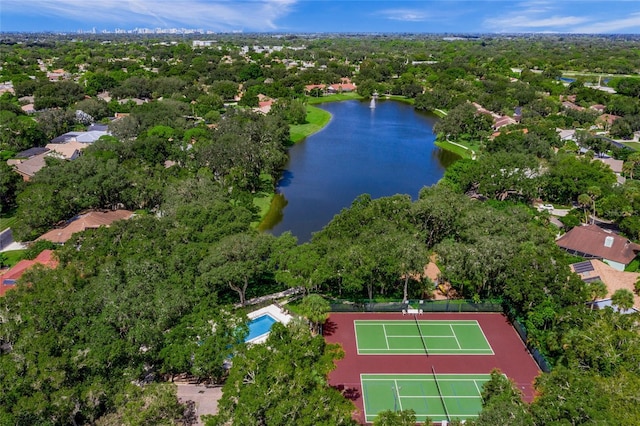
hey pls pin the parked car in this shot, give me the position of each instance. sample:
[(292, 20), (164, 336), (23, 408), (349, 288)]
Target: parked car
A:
[(545, 207)]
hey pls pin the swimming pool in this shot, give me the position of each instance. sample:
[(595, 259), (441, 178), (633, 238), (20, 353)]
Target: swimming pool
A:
[(260, 326)]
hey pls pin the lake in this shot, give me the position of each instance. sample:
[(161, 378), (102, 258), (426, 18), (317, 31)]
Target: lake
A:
[(380, 151)]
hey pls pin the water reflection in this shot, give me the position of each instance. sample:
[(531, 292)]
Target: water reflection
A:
[(384, 153)]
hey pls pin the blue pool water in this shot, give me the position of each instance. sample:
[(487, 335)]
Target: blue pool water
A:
[(259, 326)]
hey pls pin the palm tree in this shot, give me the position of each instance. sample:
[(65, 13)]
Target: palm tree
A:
[(622, 299), (632, 162), (585, 202), (594, 192), (316, 308), (597, 290)]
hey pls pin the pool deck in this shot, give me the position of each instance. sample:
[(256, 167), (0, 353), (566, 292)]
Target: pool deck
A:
[(273, 311)]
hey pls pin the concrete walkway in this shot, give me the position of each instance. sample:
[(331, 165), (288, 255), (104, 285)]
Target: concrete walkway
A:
[(205, 398)]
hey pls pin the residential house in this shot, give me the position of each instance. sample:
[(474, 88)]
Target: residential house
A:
[(593, 242), (571, 105), (264, 104), (593, 270), (29, 167), (309, 87), (66, 151), (84, 137), (567, 134), (31, 152), (499, 121), (91, 220), (11, 276), (616, 167), (606, 120), (598, 108), (28, 109), (344, 86), (503, 121), (57, 75), (7, 87)]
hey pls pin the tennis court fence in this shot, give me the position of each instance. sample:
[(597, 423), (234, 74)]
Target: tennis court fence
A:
[(535, 353), (456, 305)]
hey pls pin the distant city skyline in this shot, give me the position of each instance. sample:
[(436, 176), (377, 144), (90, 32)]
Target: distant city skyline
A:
[(418, 16)]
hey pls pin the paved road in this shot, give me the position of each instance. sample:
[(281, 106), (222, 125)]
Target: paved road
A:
[(7, 243)]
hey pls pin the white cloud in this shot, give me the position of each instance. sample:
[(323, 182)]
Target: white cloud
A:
[(208, 14), (612, 26), (517, 23), (410, 15)]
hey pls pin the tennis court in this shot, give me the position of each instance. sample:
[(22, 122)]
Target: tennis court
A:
[(420, 337), (437, 396)]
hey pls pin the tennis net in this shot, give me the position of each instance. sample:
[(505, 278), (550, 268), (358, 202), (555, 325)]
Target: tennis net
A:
[(444, 405), (424, 344)]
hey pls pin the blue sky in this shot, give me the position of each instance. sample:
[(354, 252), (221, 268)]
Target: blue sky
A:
[(439, 16)]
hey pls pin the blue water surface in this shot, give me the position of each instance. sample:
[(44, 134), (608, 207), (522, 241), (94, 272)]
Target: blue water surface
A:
[(259, 326)]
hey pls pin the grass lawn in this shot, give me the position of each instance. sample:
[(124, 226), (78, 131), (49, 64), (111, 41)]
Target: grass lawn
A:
[(448, 146), (333, 98), (13, 256), (316, 119), (262, 199), (7, 219), (633, 145)]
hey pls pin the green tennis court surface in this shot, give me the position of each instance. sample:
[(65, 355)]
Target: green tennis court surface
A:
[(415, 337), (439, 397)]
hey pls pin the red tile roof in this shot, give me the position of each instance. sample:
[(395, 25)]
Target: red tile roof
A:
[(85, 221), (592, 241), (9, 278)]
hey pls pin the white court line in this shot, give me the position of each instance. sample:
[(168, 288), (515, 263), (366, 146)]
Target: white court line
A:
[(454, 335), (485, 338), (398, 394), (384, 329), (475, 382)]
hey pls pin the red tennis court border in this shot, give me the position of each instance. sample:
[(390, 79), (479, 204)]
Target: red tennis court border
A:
[(510, 354)]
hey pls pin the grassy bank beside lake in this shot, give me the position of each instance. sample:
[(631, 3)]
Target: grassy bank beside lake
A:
[(333, 98), (316, 119), (457, 148)]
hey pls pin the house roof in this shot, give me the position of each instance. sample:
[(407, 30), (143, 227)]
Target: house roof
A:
[(503, 121), (31, 152), (608, 118), (10, 277), (99, 127), (85, 137), (615, 165), (67, 150), (566, 133), (91, 220), (28, 168), (571, 105), (596, 242), (612, 278)]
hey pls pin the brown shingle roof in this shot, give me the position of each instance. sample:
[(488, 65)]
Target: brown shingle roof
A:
[(85, 221), (591, 239), (613, 279)]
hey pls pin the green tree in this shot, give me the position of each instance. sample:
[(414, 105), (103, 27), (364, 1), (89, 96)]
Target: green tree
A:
[(9, 181), (283, 382), (597, 290), (237, 261), (397, 418), (316, 309), (502, 401), (622, 299)]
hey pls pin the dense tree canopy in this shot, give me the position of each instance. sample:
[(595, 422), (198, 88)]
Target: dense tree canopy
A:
[(133, 305)]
